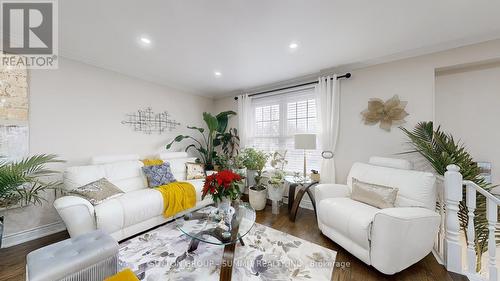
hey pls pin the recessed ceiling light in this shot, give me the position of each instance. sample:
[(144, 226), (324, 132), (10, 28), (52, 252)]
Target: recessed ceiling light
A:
[(217, 74), (145, 40), (293, 46)]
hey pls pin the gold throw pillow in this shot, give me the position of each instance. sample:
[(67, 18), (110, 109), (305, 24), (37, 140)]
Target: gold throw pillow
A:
[(379, 196)]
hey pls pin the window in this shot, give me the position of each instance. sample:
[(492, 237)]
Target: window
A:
[(278, 118)]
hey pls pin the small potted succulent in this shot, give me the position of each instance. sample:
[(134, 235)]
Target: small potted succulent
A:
[(255, 161)]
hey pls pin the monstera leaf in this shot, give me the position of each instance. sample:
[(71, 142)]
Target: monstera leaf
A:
[(389, 113)]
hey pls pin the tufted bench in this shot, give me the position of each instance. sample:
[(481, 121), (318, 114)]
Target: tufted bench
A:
[(88, 257)]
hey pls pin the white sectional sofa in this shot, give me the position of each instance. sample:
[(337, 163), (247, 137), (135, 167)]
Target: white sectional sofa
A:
[(390, 239), (139, 209)]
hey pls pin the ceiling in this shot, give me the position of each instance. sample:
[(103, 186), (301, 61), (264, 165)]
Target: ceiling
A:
[(248, 40)]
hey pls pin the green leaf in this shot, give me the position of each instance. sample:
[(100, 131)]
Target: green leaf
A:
[(178, 138), (211, 122), (201, 130), (223, 119), (20, 181)]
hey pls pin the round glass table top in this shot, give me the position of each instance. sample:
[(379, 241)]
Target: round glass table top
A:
[(218, 226)]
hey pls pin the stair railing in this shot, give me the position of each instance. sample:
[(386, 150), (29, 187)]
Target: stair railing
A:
[(453, 185)]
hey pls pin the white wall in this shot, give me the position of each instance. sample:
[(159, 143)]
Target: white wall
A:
[(411, 79), (468, 106), (76, 112)]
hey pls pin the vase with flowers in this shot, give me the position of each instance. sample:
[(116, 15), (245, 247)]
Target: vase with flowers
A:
[(224, 188)]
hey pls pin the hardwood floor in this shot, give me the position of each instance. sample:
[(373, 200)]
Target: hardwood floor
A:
[(13, 259)]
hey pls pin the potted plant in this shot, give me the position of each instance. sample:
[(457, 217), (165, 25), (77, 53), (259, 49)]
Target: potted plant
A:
[(276, 180), (222, 162), (21, 183), (210, 139), (222, 187), (255, 161)]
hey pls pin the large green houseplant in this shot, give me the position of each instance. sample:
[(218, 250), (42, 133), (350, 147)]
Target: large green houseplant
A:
[(22, 182), (255, 161), (441, 149), (205, 147)]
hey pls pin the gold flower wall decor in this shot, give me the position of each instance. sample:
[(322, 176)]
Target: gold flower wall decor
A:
[(389, 113)]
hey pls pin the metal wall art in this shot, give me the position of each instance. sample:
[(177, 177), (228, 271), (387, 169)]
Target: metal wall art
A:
[(148, 122), (389, 113)]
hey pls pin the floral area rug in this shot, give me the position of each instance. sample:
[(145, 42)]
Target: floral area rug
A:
[(268, 254)]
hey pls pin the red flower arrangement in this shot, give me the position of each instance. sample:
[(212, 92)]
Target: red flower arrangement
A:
[(223, 184)]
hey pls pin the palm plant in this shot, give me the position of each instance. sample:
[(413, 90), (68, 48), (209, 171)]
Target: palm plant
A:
[(21, 183), (440, 149), (205, 147)]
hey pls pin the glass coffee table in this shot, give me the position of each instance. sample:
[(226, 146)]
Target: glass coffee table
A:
[(209, 225)]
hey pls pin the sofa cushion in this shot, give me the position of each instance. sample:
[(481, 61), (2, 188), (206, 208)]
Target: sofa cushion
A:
[(125, 175), (349, 217), (129, 209), (198, 186), (416, 189)]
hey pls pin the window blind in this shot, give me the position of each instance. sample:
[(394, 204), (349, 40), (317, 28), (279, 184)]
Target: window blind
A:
[(278, 118)]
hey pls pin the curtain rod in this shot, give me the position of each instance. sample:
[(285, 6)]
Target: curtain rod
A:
[(347, 76)]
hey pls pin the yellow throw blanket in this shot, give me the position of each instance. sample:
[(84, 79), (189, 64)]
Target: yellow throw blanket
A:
[(177, 196)]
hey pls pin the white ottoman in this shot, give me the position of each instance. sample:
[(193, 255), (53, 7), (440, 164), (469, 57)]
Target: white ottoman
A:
[(90, 257)]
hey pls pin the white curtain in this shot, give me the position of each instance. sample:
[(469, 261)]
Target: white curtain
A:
[(328, 109), (244, 119)]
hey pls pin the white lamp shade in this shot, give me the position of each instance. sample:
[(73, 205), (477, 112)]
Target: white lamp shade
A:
[(305, 141)]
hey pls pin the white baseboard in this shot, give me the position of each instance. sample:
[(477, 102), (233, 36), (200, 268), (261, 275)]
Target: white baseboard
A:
[(31, 234), (437, 257)]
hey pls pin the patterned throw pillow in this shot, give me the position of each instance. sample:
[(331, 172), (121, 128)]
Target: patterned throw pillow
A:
[(195, 171), (98, 191), (158, 174)]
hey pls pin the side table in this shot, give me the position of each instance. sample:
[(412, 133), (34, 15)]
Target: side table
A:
[(294, 201)]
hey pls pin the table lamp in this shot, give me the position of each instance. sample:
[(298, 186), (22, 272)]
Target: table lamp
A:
[(305, 142)]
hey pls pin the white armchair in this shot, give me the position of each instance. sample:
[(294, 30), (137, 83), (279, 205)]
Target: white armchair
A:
[(390, 239)]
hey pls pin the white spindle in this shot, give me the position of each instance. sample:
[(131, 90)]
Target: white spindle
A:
[(491, 207), (471, 247), (453, 195), (442, 229)]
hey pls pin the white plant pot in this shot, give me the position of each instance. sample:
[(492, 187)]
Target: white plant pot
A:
[(257, 199), (276, 192), (251, 177)]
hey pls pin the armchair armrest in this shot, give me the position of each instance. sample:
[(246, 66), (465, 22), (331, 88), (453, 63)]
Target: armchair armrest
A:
[(401, 237), (323, 191), (77, 213)]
